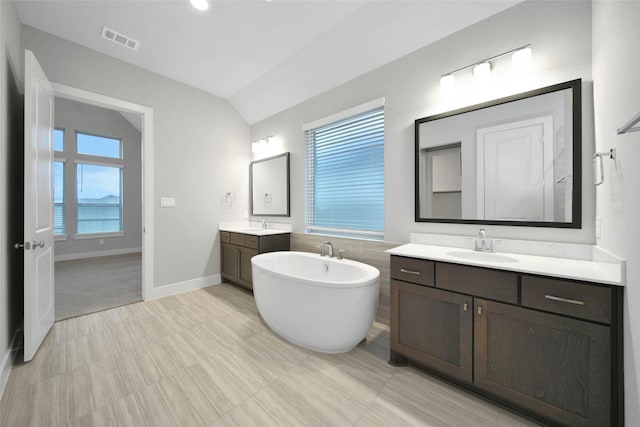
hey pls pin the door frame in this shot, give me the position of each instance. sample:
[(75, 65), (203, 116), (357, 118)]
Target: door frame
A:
[(87, 97)]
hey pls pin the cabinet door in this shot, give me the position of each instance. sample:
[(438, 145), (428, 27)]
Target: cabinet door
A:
[(229, 261), (245, 277), (433, 327), (550, 364)]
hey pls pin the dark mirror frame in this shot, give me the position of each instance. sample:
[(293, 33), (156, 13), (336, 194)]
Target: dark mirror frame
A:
[(576, 199), (288, 189)]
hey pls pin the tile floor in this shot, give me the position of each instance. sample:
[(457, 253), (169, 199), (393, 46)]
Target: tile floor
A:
[(205, 358)]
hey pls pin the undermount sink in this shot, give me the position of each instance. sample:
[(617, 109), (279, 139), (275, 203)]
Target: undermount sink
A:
[(482, 256)]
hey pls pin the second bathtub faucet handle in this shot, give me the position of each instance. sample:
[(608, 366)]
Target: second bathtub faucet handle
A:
[(322, 246)]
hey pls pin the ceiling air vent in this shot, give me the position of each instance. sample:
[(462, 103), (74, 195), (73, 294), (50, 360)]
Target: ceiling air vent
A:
[(118, 38)]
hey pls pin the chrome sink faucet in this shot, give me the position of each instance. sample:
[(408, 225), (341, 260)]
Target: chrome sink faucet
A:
[(264, 223), (322, 247), (482, 244)]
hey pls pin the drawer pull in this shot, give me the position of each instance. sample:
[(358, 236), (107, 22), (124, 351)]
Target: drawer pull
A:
[(570, 301), (415, 273)]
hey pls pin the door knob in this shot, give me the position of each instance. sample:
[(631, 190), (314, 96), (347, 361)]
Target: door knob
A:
[(36, 244)]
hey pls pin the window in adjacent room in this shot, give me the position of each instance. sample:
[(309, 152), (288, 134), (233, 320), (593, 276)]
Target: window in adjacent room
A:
[(58, 198), (59, 226), (345, 173), (98, 184)]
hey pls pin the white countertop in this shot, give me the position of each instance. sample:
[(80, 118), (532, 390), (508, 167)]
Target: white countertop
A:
[(254, 228), (607, 272)]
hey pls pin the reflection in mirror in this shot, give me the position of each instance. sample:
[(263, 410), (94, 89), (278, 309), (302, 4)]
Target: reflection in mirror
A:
[(512, 161), (269, 186)]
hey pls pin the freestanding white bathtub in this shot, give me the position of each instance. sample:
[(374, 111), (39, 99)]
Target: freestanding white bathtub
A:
[(319, 303)]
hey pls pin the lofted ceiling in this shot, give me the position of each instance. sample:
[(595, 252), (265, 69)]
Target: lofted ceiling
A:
[(263, 56)]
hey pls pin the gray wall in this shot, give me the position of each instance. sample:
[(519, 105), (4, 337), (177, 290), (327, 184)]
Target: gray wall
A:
[(73, 116), (560, 35), (201, 150), (10, 83), (616, 67)]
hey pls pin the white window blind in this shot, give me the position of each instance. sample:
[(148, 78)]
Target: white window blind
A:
[(345, 176)]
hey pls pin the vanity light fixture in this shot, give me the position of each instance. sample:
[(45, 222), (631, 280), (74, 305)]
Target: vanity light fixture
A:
[(200, 4), (261, 144), (521, 61)]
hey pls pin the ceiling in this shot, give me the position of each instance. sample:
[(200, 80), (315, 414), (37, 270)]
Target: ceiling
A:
[(263, 56)]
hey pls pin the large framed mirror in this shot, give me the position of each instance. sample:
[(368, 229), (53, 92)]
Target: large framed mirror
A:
[(269, 186), (511, 161)]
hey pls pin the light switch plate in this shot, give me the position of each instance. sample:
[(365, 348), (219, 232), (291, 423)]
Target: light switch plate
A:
[(167, 202), (598, 227)]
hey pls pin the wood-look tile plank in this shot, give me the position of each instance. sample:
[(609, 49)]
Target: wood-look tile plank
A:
[(189, 404), (40, 404), (90, 348), (48, 362), (93, 386), (411, 397), (153, 407)]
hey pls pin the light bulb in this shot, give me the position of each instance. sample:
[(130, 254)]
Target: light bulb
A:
[(521, 60), (482, 72), (448, 84), (200, 4)]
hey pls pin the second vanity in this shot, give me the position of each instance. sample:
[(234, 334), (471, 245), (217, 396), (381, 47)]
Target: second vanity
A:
[(241, 241), (540, 335)]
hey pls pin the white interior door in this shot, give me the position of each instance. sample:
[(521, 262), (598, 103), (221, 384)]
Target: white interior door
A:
[(38, 206), (516, 163)]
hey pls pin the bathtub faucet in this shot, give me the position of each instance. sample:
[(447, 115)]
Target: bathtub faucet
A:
[(326, 243)]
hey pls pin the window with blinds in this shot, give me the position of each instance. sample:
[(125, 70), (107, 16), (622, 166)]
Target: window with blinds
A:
[(345, 176)]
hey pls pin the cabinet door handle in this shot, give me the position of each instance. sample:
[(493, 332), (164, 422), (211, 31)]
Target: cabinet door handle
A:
[(479, 311), (415, 273), (560, 299), (465, 307)]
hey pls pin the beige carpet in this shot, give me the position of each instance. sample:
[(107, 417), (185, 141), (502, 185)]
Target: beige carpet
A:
[(88, 285)]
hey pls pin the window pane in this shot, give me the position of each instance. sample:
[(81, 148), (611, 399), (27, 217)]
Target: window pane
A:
[(345, 170), (98, 146), (58, 198), (99, 201), (58, 140)]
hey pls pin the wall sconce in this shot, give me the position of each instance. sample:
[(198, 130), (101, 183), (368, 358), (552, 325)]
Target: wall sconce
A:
[(261, 144), (521, 61)]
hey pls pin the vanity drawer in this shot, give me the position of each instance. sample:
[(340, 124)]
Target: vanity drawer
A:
[(412, 270), (479, 282), (251, 241), (225, 237), (579, 300), (237, 239)]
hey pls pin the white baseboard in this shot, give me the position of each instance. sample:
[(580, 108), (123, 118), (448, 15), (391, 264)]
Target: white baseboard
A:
[(186, 286), (95, 254), (7, 364)]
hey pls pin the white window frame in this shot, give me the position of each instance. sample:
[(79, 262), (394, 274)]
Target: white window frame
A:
[(343, 115)]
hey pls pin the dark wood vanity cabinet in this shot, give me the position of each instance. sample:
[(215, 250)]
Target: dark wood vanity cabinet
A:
[(548, 348), (433, 327), (237, 249)]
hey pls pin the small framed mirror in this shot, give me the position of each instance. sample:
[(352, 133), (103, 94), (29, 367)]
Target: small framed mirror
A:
[(269, 186), (511, 161)]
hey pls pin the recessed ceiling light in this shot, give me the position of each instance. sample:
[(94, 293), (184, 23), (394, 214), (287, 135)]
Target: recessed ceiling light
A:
[(200, 4)]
